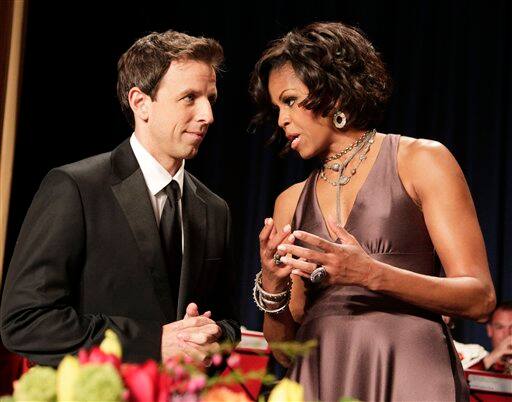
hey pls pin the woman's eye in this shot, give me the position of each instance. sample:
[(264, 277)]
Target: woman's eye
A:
[(289, 101)]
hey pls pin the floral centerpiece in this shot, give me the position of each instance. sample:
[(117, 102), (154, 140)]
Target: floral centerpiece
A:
[(98, 374)]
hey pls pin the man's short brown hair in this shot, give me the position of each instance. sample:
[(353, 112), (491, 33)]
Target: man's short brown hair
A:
[(145, 63), (503, 306)]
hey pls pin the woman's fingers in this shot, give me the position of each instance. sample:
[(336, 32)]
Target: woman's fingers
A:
[(266, 231), (300, 264), (298, 272), (273, 231), (306, 253), (270, 238), (283, 237), (340, 231), (315, 240)]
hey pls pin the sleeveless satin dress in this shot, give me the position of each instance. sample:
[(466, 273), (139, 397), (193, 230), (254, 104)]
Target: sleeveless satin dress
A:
[(371, 346)]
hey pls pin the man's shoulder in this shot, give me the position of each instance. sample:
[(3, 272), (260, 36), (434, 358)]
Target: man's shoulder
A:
[(90, 170), (87, 166), (89, 174), (208, 195)]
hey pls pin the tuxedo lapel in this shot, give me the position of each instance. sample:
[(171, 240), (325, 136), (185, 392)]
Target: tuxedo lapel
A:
[(194, 233), (131, 192)]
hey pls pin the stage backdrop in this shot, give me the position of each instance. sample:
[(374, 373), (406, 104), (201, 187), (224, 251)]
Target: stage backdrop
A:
[(450, 60)]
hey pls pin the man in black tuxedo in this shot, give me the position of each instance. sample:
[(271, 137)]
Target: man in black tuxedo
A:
[(129, 240)]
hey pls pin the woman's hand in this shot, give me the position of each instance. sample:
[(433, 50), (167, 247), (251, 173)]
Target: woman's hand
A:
[(274, 277), (346, 263)]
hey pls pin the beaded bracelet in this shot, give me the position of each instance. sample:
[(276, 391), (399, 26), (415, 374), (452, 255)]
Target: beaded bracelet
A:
[(261, 298), (272, 296)]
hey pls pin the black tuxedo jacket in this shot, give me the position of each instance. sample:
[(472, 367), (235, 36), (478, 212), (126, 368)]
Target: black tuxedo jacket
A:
[(89, 258)]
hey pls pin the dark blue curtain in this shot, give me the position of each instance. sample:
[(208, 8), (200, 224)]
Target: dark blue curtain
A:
[(450, 60)]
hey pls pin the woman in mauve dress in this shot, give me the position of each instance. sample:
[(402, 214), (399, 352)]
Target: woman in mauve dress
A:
[(349, 256)]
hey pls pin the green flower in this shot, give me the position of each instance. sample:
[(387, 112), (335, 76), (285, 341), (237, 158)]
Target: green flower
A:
[(36, 385), (98, 383), (67, 374), (287, 391), (111, 344)]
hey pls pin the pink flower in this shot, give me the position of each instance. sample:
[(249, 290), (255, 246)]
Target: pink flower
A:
[(234, 360), (179, 372), (196, 384), (185, 398), (217, 359)]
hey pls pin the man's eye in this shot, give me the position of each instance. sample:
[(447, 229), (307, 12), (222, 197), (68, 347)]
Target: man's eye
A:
[(190, 98)]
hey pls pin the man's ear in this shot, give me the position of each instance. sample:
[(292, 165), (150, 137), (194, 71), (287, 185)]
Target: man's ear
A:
[(490, 329), (139, 103)]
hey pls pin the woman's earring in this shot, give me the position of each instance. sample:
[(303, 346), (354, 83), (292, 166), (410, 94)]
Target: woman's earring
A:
[(339, 119)]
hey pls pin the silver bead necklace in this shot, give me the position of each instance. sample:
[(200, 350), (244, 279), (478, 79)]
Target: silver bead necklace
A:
[(343, 180), (350, 147)]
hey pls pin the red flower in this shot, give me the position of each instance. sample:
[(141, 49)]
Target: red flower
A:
[(164, 387), (142, 381), (97, 356)]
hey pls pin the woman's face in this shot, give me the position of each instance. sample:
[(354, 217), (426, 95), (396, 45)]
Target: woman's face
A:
[(311, 135)]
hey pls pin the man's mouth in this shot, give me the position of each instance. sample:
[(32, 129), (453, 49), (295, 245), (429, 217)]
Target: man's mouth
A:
[(197, 134)]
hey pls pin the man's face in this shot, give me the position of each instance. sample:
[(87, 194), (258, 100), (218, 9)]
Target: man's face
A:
[(500, 327), (181, 110)]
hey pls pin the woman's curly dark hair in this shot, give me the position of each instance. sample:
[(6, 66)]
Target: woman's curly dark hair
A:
[(338, 65)]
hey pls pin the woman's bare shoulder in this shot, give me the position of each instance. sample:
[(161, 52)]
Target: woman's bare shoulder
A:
[(421, 149), (290, 196), (425, 164), (286, 203)]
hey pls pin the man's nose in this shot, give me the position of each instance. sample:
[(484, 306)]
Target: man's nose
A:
[(205, 113)]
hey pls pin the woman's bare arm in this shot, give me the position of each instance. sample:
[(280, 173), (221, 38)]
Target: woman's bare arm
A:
[(283, 326), (435, 181)]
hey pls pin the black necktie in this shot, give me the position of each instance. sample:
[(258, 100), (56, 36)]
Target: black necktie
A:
[(170, 235)]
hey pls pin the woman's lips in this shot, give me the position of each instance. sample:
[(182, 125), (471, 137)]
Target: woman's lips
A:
[(295, 143)]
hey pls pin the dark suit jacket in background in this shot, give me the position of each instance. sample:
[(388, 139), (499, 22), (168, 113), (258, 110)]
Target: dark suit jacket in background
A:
[(89, 258)]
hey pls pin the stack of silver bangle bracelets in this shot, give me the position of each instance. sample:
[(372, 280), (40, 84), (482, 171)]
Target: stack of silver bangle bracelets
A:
[(271, 303)]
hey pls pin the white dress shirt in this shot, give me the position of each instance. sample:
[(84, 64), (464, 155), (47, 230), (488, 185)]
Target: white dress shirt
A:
[(156, 178)]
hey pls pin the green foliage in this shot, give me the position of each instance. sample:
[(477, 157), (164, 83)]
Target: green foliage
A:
[(37, 385), (294, 349), (238, 377), (98, 382)]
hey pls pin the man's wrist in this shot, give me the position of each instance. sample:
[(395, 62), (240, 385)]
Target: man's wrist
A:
[(489, 360), (230, 331), (222, 336)]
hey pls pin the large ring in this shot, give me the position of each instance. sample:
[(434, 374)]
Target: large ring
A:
[(318, 275), (277, 259)]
